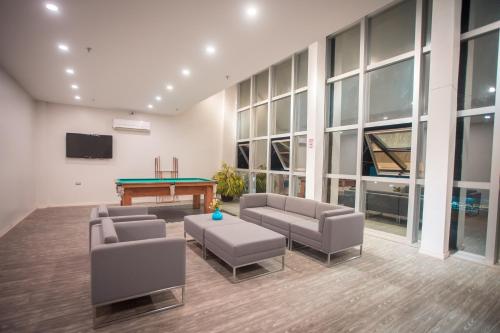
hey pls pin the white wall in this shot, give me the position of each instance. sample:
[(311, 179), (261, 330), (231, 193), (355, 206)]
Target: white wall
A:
[(193, 136), (17, 162)]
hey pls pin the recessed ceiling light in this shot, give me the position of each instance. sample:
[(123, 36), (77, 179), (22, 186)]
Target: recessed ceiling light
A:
[(74, 87), (52, 7), (77, 97), (170, 87), (491, 89), (150, 106), (63, 47), (158, 98), (251, 11), (210, 49), (70, 71), (186, 72)]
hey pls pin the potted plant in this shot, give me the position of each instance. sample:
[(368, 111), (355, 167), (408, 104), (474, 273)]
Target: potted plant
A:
[(229, 183)]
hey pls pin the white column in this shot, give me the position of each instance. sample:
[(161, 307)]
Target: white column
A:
[(441, 127), (315, 119)]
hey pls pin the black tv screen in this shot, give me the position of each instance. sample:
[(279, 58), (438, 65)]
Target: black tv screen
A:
[(89, 146)]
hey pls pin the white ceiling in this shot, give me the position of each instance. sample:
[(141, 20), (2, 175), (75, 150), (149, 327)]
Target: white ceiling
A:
[(138, 46)]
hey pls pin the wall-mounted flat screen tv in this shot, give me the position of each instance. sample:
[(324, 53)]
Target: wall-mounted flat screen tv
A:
[(89, 145)]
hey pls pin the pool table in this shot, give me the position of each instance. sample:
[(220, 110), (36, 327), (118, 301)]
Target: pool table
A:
[(128, 188)]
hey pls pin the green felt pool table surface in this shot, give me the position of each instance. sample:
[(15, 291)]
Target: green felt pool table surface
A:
[(123, 181)]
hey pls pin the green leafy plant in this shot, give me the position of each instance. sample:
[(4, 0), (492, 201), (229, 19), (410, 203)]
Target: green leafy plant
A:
[(229, 183)]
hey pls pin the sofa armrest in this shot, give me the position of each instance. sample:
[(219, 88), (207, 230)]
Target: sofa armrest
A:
[(129, 269), (341, 210), (138, 230), (127, 210), (253, 200), (342, 232)]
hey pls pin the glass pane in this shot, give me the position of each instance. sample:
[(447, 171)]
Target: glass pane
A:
[(259, 180), (300, 152), (345, 52), (424, 94), (279, 184), (243, 124), (389, 152), (282, 78), (341, 191), (477, 13), (243, 155), (260, 116), (280, 154), (390, 91), (246, 181), (342, 148), (244, 94), (427, 22), (261, 86), (422, 149), (469, 220), (343, 104), (259, 149), (300, 111), (280, 116), (392, 32), (301, 74), (473, 148), (299, 186), (386, 207), (478, 72)]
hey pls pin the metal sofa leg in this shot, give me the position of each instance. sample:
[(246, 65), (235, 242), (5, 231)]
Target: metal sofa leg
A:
[(99, 325)]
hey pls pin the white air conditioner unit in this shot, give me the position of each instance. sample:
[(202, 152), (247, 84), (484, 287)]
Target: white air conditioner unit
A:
[(132, 125)]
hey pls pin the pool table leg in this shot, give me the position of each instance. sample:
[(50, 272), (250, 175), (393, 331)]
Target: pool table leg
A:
[(207, 199), (196, 201), (126, 200)]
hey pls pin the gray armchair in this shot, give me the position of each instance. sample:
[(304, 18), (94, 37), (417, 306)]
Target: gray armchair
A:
[(133, 259), (119, 214)]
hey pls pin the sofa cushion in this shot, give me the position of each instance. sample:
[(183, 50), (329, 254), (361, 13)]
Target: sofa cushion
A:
[(301, 206), (108, 231), (253, 200), (276, 201), (306, 228), (257, 212), (102, 211)]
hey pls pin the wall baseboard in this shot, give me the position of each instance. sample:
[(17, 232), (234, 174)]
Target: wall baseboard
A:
[(7, 228)]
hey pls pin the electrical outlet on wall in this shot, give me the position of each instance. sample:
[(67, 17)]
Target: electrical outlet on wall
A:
[(78, 183)]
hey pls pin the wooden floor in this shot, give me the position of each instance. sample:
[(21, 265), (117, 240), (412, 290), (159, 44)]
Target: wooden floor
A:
[(44, 287)]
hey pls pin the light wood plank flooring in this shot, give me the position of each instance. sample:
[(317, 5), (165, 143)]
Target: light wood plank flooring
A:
[(44, 287)]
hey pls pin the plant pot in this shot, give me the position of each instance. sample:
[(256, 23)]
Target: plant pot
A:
[(226, 198)]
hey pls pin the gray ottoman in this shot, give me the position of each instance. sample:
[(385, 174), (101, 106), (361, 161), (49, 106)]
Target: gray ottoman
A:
[(243, 244), (195, 226)]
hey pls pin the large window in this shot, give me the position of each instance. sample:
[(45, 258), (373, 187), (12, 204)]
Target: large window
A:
[(475, 180), (272, 127), (375, 110)]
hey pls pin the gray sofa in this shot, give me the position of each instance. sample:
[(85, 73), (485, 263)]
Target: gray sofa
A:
[(323, 227), (133, 259)]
